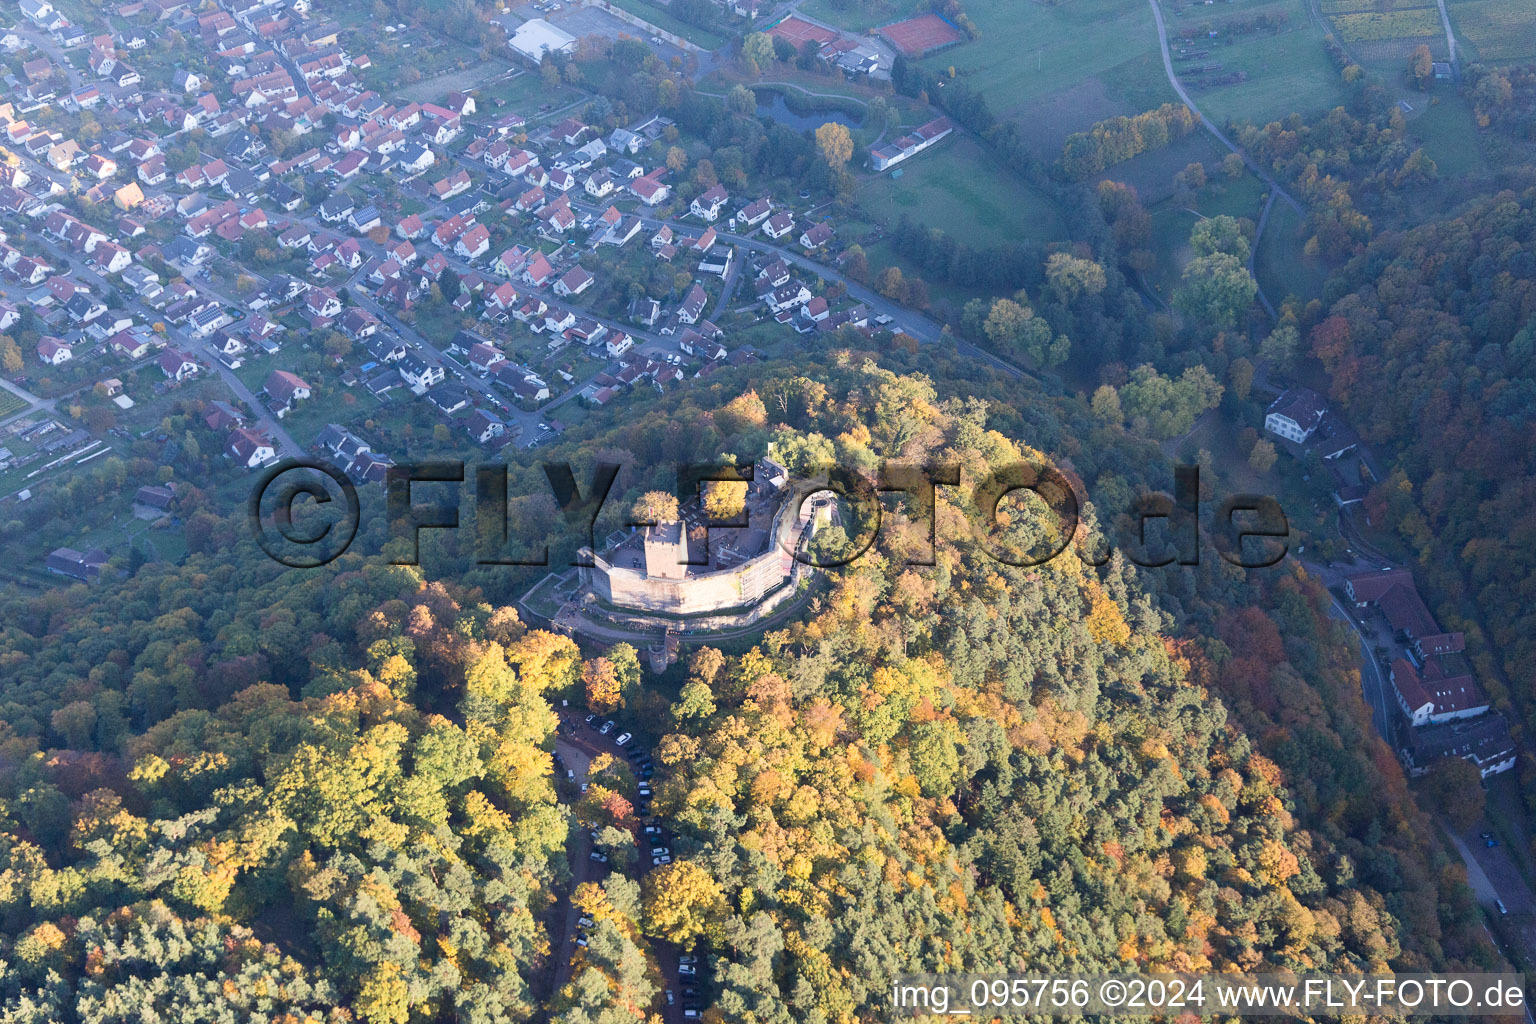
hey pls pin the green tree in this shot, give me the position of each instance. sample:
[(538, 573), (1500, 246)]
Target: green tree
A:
[(1455, 789), (1263, 455), (740, 100), (756, 54), (1073, 277), (1219, 234), (1106, 405), (1217, 289)]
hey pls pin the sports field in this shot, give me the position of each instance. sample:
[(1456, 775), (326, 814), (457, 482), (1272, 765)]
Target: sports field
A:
[(922, 34), (797, 32)]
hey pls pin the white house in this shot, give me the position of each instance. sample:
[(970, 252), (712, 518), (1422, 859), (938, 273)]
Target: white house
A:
[(709, 204), (249, 448), (779, 225), (1295, 414), (54, 351)]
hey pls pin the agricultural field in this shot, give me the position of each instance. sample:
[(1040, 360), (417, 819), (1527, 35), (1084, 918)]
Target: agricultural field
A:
[(1373, 26), (1332, 7), (965, 190), (10, 404), (1283, 72), (1495, 31)]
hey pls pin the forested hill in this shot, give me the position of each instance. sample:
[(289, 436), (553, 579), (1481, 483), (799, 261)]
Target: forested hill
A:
[(229, 790), (1447, 314)]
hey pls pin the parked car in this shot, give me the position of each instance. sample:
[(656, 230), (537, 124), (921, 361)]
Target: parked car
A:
[(606, 729), (687, 958), (599, 856), (590, 718), (1502, 908), (671, 999), (657, 862), (659, 851), (624, 738), (585, 922), (581, 940), (686, 970), (652, 830)]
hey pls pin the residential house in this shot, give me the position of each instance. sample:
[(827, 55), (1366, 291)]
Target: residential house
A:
[(283, 390), (249, 448), (816, 236), (573, 282), (650, 191), (599, 184), (419, 374), (474, 243), (779, 225), (484, 427), (754, 213), (538, 271), (177, 365), (54, 351), (709, 204), (693, 305), (322, 302)]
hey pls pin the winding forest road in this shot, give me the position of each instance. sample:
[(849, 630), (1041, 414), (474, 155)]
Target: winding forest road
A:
[(1221, 136), (1210, 126)]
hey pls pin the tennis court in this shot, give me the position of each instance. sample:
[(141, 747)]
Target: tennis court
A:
[(923, 34)]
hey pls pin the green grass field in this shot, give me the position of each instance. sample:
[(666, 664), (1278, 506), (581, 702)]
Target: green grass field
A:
[(662, 19), (1280, 265), (1172, 222), (967, 192), (524, 94), (856, 17), (1028, 51), (1288, 71), (1446, 130), (1058, 69), (1497, 31)]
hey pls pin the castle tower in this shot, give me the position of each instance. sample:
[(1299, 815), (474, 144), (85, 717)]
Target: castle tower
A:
[(666, 551)]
